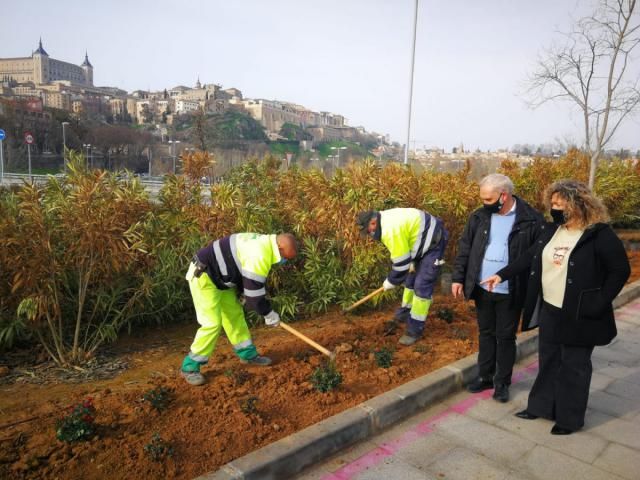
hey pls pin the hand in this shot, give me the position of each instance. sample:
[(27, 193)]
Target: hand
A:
[(387, 285), (491, 282), (272, 319), (457, 290)]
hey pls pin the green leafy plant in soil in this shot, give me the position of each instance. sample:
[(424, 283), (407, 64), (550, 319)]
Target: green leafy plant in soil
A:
[(383, 357), (158, 449), (159, 398), (326, 377), (78, 424), (249, 405), (445, 314)]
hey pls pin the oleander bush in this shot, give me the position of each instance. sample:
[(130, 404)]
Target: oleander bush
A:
[(91, 254)]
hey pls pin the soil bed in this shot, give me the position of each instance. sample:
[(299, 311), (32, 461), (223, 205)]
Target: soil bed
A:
[(206, 426), (209, 426)]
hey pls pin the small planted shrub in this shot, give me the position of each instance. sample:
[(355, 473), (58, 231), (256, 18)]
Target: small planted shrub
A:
[(158, 449), (422, 348), (445, 314), (459, 333), (326, 378), (390, 328), (303, 355), (78, 424), (237, 375), (159, 398), (383, 357), (248, 405)]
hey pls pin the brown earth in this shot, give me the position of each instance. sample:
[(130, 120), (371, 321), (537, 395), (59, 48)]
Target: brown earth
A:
[(206, 426)]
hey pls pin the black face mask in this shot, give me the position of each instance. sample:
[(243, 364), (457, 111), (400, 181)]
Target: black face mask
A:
[(558, 216), (494, 207)]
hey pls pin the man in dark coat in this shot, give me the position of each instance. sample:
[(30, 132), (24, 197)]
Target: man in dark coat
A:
[(503, 229)]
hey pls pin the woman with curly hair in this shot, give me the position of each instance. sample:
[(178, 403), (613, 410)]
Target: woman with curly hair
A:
[(578, 266)]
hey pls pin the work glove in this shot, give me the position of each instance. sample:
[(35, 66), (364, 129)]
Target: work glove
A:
[(387, 285), (272, 318)]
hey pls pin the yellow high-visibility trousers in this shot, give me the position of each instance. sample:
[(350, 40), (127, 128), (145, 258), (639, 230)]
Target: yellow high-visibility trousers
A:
[(217, 309)]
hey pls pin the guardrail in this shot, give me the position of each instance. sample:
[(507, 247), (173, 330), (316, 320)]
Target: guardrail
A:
[(43, 178), (152, 185)]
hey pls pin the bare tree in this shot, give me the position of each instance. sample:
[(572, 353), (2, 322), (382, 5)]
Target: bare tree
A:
[(593, 71)]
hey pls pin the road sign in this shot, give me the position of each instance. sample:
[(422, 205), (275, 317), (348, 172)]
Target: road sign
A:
[(28, 138), (2, 134)]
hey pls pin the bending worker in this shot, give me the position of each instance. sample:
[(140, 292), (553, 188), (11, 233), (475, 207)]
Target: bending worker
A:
[(232, 264), (411, 236)]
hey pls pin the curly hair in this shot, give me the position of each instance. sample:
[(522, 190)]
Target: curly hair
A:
[(582, 204)]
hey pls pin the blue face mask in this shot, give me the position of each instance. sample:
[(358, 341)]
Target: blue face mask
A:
[(282, 261)]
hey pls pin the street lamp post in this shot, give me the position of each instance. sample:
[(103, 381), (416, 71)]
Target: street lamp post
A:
[(88, 159), (64, 147), (413, 61), (337, 149), (173, 150)]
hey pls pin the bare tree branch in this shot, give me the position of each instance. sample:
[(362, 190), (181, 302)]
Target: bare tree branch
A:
[(591, 70)]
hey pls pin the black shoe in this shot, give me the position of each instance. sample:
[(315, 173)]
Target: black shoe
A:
[(501, 393), (479, 385), (526, 415), (557, 430)]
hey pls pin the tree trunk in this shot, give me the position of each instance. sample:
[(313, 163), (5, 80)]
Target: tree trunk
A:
[(593, 166)]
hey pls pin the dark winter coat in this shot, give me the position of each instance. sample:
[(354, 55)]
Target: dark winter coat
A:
[(598, 269), (474, 240)]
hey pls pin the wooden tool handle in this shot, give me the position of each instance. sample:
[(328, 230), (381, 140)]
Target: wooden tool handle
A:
[(306, 339), (362, 300)]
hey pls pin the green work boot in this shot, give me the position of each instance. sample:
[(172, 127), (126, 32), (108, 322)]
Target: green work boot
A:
[(190, 371), (407, 340), (193, 378), (257, 360)]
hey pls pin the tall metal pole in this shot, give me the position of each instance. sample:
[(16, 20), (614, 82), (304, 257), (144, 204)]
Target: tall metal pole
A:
[(29, 155), (64, 147), (1, 162), (413, 61)]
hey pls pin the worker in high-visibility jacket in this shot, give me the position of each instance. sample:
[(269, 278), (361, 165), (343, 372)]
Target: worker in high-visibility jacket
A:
[(416, 241), (232, 264)]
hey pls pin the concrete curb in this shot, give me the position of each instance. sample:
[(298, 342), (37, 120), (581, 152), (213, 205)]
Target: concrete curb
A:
[(290, 455)]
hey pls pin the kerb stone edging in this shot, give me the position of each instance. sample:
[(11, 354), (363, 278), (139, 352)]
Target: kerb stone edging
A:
[(290, 455)]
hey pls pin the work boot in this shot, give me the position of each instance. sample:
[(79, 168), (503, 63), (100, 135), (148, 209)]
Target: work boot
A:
[(479, 384), (193, 378), (407, 340), (258, 360), (501, 393)]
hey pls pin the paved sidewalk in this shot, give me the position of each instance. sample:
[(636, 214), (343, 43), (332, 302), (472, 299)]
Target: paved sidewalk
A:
[(471, 436)]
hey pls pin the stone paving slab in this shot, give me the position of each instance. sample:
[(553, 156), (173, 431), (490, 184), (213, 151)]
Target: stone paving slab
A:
[(544, 463), (620, 460)]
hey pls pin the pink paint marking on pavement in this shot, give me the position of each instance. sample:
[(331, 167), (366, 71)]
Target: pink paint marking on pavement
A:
[(387, 449)]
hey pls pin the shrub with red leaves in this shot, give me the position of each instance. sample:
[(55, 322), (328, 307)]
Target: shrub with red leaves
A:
[(78, 424)]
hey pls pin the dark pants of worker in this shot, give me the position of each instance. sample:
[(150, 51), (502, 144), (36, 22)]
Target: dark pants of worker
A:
[(422, 283), (497, 325), (561, 389)]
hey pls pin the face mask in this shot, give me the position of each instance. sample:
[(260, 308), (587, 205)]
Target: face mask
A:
[(495, 206), (282, 261), (558, 216)]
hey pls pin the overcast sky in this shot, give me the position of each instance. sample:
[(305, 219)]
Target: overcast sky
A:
[(345, 56)]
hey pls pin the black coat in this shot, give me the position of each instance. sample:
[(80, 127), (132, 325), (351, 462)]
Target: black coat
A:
[(473, 243), (598, 269)]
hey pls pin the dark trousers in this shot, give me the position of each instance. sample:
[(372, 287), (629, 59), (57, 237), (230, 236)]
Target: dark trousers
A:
[(561, 389), (497, 325)]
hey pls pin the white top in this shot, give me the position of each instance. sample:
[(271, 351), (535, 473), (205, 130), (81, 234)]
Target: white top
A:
[(555, 262)]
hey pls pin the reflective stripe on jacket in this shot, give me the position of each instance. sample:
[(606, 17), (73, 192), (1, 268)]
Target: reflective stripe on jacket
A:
[(407, 233), (243, 260)]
